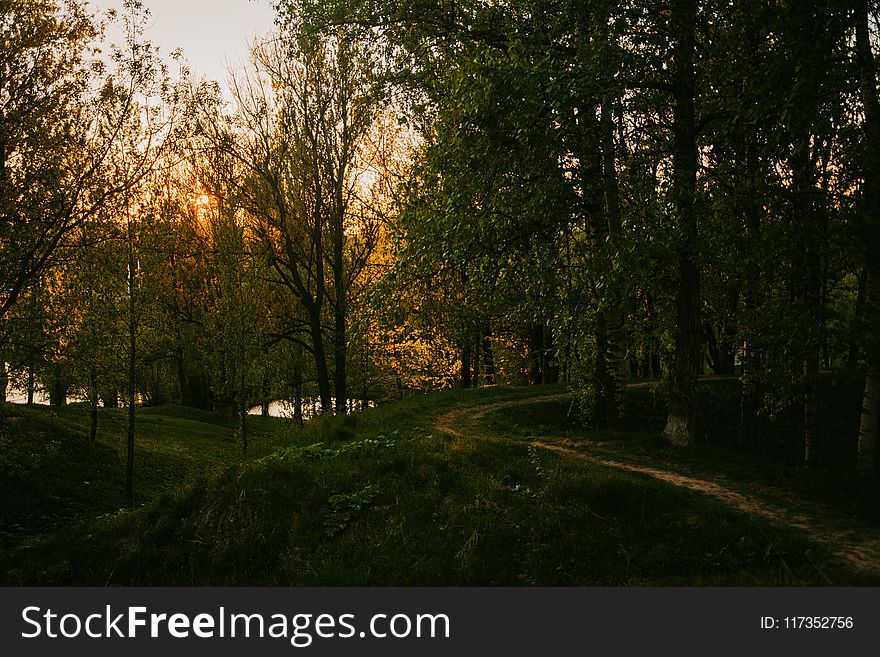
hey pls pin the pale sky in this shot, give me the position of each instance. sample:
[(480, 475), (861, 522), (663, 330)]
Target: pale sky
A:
[(213, 34)]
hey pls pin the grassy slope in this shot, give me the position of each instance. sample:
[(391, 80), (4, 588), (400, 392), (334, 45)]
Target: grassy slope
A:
[(716, 455), (385, 499), (50, 473)]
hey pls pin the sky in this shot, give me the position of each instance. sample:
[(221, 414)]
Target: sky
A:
[(213, 34)]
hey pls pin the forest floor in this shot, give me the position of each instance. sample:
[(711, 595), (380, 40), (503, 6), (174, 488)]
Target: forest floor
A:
[(853, 541), (498, 486)]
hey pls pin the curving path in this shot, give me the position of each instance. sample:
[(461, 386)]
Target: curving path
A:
[(859, 548)]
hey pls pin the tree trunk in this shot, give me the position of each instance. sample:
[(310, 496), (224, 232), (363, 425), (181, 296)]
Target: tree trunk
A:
[(466, 363), (866, 460), (727, 350), (811, 294), (827, 359), (132, 362), (59, 388), (852, 358), (603, 395), (615, 362), (680, 427), (265, 387), (750, 392), (549, 366), (615, 350), (193, 387), (31, 379), (322, 373), (297, 395), (722, 357), (488, 358), (811, 383), (93, 403), (749, 403), (340, 372), (475, 351), (715, 358), (595, 187), (242, 425), (536, 348), (870, 419), (810, 48), (4, 379)]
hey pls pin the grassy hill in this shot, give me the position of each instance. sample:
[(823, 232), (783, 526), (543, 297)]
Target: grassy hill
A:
[(383, 497), (50, 473)]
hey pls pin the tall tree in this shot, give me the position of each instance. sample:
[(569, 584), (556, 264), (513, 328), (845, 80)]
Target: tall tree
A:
[(680, 427), (870, 418), (142, 107), (299, 142)]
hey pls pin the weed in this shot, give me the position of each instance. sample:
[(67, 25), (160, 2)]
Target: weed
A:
[(344, 506)]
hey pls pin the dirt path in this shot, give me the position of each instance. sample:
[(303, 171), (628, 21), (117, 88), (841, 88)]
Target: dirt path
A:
[(860, 550), (451, 421)]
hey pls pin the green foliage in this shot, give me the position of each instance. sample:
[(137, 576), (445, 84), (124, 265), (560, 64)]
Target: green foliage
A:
[(413, 196), (45, 48), (345, 506), (319, 451)]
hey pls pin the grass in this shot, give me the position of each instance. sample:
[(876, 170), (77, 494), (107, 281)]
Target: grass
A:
[(50, 473), (382, 498), (716, 455)]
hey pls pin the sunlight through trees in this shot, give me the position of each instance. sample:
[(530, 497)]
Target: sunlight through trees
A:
[(396, 197)]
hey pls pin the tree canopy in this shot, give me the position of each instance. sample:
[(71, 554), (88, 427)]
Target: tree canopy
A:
[(415, 195)]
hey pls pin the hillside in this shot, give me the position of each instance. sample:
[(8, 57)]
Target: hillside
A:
[(500, 486)]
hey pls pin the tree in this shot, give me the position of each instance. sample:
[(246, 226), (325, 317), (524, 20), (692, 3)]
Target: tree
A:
[(870, 417), (139, 107), (45, 168), (299, 143), (680, 427)]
